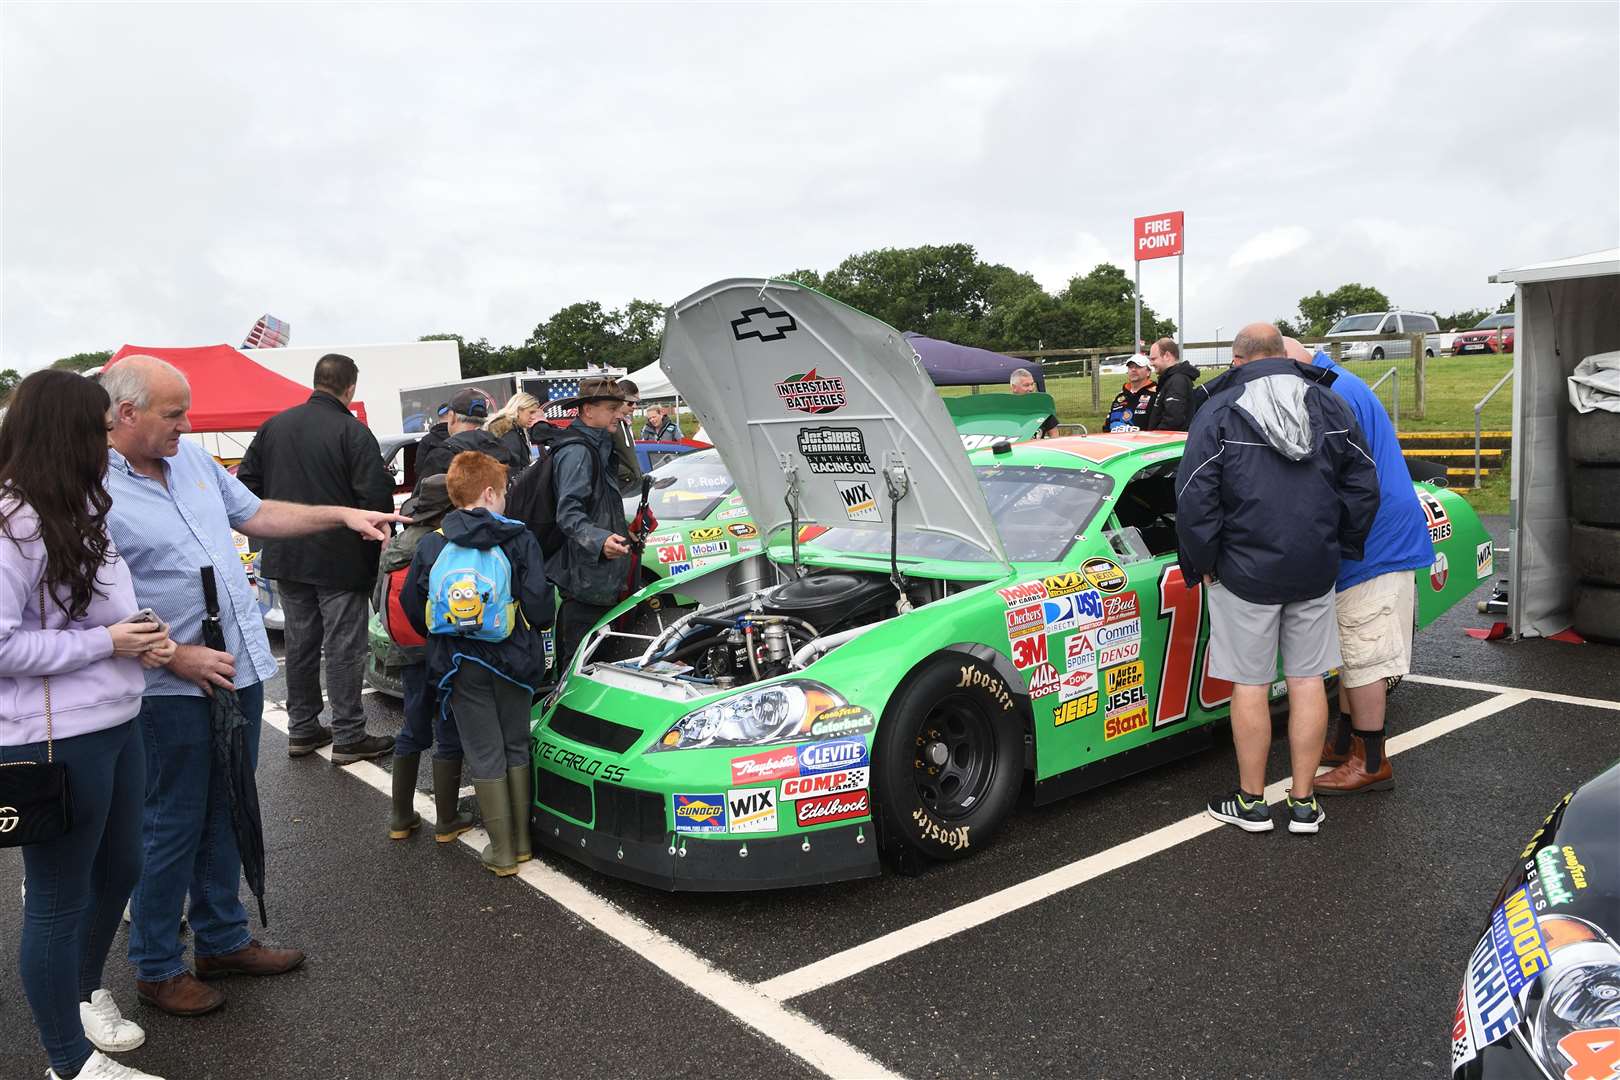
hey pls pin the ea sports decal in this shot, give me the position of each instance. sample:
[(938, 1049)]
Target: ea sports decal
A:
[(837, 450), (1435, 514), (859, 502), (810, 393), (1103, 574), (763, 324), (1439, 571)]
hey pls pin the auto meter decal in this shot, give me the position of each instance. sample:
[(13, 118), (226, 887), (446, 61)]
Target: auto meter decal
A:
[(1484, 561), (1103, 574), (771, 765), (835, 450), (709, 532), (1435, 515), (1043, 681), (1439, 571), (1126, 689), (1072, 610), (1064, 584), (832, 756), (751, 810), (825, 808), (699, 813), (1023, 593), (1025, 620), (810, 393), (842, 720), (743, 531), (828, 783)]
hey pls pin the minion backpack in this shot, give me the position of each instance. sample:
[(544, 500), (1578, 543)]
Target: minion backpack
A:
[(470, 593)]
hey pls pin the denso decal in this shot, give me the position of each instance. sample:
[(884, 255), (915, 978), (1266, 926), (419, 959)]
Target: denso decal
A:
[(1025, 620), (699, 813), (1135, 720), (1112, 633), (751, 810), (829, 783), (1103, 574), (771, 765), (708, 532), (824, 808), (832, 756), (1484, 560), (597, 770), (713, 547), (1120, 608), (810, 393), (1024, 593), (842, 720), (1029, 650), (1076, 683), (1064, 584), (743, 530), (671, 553), (1070, 711), (1118, 654), (1043, 681)]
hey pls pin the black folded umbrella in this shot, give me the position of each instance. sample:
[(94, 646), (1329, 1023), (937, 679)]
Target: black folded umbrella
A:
[(230, 730)]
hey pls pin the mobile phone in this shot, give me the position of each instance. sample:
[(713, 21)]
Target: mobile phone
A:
[(145, 615)]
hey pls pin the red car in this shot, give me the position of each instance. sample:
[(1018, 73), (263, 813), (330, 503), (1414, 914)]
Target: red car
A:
[(1483, 338)]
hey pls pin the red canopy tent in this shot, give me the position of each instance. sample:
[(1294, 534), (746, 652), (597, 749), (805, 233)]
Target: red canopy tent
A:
[(229, 392)]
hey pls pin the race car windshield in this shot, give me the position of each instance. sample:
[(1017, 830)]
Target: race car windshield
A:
[(1038, 510), (687, 488)]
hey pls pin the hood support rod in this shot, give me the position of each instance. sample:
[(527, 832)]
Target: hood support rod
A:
[(791, 499), (899, 485)]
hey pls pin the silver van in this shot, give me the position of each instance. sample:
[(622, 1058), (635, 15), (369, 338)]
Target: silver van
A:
[(1349, 329)]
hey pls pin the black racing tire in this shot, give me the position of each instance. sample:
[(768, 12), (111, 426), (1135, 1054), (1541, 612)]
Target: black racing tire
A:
[(1597, 613), (1594, 494), (948, 760), (1594, 438), (1594, 552)]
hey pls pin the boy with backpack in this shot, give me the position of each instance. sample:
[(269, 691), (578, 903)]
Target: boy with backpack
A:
[(477, 592), (425, 724)]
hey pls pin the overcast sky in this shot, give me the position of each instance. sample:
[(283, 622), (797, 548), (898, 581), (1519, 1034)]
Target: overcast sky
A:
[(374, 173)]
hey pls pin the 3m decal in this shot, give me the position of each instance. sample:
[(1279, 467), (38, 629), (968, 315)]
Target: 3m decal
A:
[(832, 756), (762, 323), (1124, 677), (1435, 514), (713, 547), (1135, 720), (733, 514), (1076, 683), (831, 783), (743, 531), (677, 569), (708, 532), (1025, 620), (1029, 650), (1071, 611), (1023, 593), (1043, 681), (1484, 560), (1120, 608), (859, 502), (597, 770), (1080, 649), (954, 838), (1118, 654), (1113, 633), (1070, 711), (771, 765), (668, 553), (810, 393), (1184, 608), (842, 720), (835, 450), (699, 813), (1103, 574), (1439, 572), (751, 810), (1064, 584), (826, 808)]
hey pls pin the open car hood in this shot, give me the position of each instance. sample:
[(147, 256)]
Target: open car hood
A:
[(808, 398), (982, 419)]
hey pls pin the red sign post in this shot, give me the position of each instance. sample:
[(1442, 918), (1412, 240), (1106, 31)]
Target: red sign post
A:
[(1158, 237)]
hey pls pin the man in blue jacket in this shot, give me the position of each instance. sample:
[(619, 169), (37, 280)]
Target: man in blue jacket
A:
[(1274, 486), (1375, 597)]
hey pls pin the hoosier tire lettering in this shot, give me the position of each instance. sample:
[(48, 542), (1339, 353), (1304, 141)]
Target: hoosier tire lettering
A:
[(979, 678), (955, 839)]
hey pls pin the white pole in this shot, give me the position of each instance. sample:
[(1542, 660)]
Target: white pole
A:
[(1181, 307), (1136, 342)]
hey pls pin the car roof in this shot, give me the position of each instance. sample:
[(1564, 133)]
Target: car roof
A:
[(1112, 452)]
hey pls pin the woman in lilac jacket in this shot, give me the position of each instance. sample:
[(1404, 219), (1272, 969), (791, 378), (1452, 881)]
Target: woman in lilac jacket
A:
[(63, 595)]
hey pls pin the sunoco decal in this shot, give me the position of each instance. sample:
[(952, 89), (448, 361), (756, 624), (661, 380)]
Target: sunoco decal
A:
[(810, 393), (1103, 574), (835, 450), (842, 720), (699, 813), (859, 502)]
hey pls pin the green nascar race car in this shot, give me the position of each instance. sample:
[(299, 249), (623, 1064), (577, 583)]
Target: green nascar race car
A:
[(964, 620)]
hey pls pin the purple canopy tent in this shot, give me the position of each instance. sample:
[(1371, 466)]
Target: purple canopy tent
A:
[(949, 364)]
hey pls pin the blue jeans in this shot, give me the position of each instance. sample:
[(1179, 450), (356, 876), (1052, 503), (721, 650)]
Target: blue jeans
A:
[(77, 883), (425, 724), (187, 838)]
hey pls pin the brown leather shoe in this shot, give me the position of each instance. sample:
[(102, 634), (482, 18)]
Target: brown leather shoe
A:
[(251, 959), (1352, 775), (182, 995)]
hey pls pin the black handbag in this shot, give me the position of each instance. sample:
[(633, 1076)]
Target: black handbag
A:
[(35, 803)]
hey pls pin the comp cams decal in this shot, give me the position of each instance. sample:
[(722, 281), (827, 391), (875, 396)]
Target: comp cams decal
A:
[(837, 450), (763, 324), (829, 783), (810, 393), (859, 502)]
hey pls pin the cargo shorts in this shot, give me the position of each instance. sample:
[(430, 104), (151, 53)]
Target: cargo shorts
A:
[(1375, 628), (1245, 638)]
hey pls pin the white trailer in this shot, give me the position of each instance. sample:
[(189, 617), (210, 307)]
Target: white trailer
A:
[(385, 370)]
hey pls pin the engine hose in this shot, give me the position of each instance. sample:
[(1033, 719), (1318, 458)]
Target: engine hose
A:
[(691, 647), (748, 645)]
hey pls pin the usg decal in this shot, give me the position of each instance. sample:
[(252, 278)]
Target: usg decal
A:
[(771, 765), (826, 808), (832, 756), (1103, 574), (859, 502), (751, 810), (810, 393), (711, 532), (835, 450), (699, 813), (762, 324), (1081, 609), (829, 783), (1079, 650)]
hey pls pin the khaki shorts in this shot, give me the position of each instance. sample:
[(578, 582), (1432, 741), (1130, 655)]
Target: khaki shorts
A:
[(1245, 638), (1375, 628)]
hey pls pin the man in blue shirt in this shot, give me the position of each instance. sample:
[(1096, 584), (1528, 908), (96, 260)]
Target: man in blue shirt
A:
[(173, 511), (1376, 597)]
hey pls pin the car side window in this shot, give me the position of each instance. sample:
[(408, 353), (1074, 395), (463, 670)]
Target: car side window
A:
[(1388, 327), (1147, 507)]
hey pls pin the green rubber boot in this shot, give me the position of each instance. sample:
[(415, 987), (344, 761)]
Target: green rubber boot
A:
[(452, 822), (518, 781), (404, 819), (495, 805)]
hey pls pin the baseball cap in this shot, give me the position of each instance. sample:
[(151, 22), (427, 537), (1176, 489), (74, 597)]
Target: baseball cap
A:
[(1137, 361), (471, 404)]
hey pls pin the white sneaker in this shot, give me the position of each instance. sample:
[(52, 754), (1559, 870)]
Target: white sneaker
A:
[(101, 1067), (106, 1027)]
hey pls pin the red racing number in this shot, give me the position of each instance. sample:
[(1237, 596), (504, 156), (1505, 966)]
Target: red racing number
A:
[(1185, 609)]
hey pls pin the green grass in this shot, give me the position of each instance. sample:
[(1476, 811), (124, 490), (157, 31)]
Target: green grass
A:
[(1492, 495)]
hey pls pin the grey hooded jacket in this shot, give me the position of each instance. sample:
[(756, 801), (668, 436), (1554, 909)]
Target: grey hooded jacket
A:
[(589, 510)]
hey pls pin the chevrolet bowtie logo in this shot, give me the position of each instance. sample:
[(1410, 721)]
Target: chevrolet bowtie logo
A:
[(763, 324)]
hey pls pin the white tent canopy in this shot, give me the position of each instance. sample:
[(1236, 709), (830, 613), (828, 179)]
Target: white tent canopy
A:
[(653, 383)]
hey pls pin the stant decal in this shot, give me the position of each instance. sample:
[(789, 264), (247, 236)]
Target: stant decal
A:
[(1023, 593), (771, 765), (1135, 720), (699, 813), (709, 532), (1103, 574), (1025, 620), (1439, 571), (810, 393), (1064, 584), (714, 547), (832, 756), (1043, 681), (828, 783), (842, 720), (1484, 560), (743, 530), (1120, 608), (859, 502), (835, 450), (751, 810), (1078, 709), (1435, 514), (825, 808)]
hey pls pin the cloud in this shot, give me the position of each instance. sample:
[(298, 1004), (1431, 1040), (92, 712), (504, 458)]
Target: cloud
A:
[(1271, 244)]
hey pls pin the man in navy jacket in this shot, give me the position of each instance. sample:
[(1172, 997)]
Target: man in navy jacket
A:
[(1275, 484)]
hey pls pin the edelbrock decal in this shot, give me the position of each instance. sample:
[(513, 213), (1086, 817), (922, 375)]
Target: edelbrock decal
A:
[(825, 808)]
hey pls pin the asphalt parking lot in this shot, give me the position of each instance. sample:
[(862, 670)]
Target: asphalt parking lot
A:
[(1118, 933)]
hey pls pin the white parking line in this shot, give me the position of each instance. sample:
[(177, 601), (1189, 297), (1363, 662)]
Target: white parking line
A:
[(1539, 695), (787, 1027), (896, 943)]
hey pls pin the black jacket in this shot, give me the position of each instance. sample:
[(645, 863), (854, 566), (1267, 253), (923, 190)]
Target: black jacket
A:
[(1174, 405), (626, 466), (516, 442), (431, 441), (1275, 485), (438, 459), (521, 657), (589, 510), (318, 453)]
